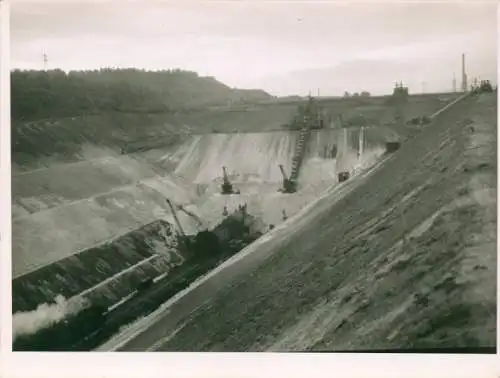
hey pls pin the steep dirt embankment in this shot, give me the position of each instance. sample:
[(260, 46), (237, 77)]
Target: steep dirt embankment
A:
[(53, 234), (78, 206), (43, 143), (56, 186), (405, 261)]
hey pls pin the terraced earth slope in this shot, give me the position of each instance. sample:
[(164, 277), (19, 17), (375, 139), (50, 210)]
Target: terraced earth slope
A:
[(55, 218), (73, 222), (41, 143), (404, 258)]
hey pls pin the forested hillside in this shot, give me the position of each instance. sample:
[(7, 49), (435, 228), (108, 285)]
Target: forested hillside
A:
[(52, 94), (55, 114)]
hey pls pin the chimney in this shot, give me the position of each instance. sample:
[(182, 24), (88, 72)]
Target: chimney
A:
[(464, 75)]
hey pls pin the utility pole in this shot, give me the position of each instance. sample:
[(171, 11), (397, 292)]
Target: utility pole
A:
[(45, 61)]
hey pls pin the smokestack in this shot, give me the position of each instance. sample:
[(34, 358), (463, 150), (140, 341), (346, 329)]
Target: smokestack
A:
[(464, 75), (454, 83)]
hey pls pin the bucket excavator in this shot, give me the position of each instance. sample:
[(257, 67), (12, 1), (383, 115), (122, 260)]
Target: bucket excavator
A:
[(289, 186)]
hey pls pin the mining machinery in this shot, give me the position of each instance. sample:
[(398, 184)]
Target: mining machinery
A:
[(485, 87), (227, 187), (343, 176), (243, 208), (391, 147), (289, 186), (399, 95), (312, 111), (184, 240), (198, 220)]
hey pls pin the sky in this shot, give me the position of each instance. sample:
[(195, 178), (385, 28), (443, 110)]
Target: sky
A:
[(284, 47)]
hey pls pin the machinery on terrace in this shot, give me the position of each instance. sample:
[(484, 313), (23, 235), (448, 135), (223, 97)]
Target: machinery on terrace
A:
[(313, 112), (485, 87), (400, 90), (424, 120), (184, 241), (289, 186), (227, 187), (399, 94), (343, 176), (200, 223), (392, 147)]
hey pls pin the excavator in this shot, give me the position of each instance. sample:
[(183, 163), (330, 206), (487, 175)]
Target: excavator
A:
[(200, 223), (194, 244), (227, 187), (184, 240), (289, 186)]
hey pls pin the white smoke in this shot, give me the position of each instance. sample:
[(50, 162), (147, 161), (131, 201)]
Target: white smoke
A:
[(30, 322)]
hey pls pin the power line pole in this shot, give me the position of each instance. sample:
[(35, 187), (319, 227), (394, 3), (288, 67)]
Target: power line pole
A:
[(45, 61)]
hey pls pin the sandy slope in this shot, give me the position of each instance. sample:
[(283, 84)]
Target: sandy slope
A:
[(81, 205)]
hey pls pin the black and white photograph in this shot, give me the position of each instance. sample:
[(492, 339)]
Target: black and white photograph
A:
[(253, 176)]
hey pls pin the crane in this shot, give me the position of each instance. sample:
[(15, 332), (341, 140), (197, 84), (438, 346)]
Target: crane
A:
[(227, 187), (180, 230), (184, 242), (192, 215), (288, 185)]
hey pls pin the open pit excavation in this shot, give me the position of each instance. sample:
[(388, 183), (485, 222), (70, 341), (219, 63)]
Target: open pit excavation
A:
[(411, 265), (236, 207), (134, 259)]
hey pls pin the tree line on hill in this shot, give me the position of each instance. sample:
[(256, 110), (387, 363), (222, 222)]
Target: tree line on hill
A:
[(55, 93)]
